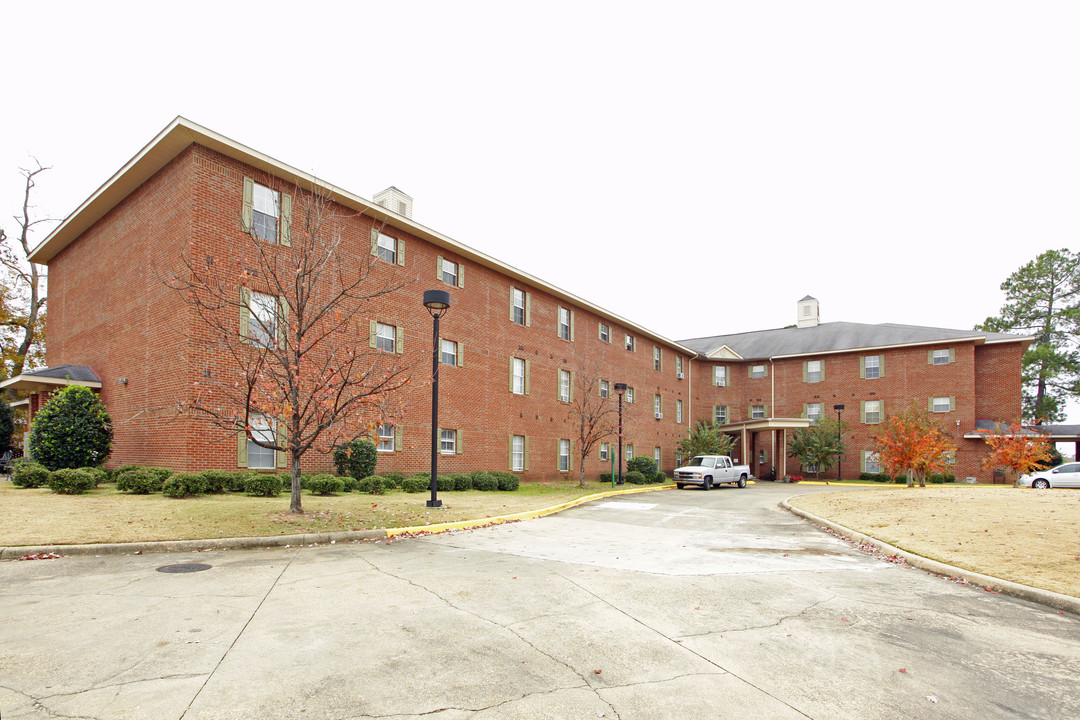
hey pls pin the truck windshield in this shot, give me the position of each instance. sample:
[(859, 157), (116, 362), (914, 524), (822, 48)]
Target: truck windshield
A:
[(701, 462)]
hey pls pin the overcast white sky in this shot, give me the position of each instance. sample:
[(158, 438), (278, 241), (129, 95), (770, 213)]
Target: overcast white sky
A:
[(695, 167)]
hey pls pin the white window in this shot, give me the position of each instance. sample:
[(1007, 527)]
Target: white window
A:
[(757, 412), (262, 319), (757, 371), (605, 333), (447, 442), (656, 456), (941, 405), (517, 453), (678, 411), (564, 323), (385, 337), (605, 451), (872, 412), (657, 358), (518, 301), (761, 457), (387, 247), (564, 386), (629, 394), (657, 405), (519, 376), (872, 368), (263, 428), (564, 456), (720, 415), (630, 343), (942, 357), (814, 411), (813, 371), (386, 438), (678, 365), (605, 389), (871, 462), (449, 272), (449, 354), (720, 376), (265, 213), (629, 452)]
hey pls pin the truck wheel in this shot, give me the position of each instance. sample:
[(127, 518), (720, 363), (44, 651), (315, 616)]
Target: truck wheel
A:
[(742, 481), (708, 484), (679, 485)]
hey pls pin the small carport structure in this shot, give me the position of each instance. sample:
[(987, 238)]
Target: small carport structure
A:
[(762, 443), (36, 386)]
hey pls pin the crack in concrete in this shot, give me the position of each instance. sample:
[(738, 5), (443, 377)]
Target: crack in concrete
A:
[(486, 708), (780, 621)]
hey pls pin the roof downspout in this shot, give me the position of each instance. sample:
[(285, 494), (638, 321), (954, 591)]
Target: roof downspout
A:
[(772, 388)]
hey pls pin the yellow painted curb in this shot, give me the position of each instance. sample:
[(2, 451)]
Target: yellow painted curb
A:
[(525, 515)]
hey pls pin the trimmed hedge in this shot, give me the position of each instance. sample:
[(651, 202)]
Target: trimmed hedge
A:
[(393, 479), (484, 481), (29, 475), (462, 482), (184, 485), (263, 485), (642, 464), (507, 481), (415, 484), (635, 478), (142, 481), (324, 484), (72, 481)]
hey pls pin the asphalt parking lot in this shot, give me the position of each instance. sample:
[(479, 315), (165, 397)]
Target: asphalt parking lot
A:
[(675, 604)]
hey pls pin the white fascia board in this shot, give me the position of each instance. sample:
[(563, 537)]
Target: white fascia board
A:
[(977, 339)]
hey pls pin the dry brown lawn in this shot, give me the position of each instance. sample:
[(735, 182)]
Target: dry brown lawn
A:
[(39, 517), (1027, 536)]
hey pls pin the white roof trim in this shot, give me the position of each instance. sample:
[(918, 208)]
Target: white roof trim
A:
[(724, 353)]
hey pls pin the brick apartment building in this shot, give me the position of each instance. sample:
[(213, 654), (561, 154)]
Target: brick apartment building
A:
[(514, 347)]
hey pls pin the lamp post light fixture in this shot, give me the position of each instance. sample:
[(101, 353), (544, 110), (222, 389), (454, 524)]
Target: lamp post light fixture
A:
[(620, 388), (437, 303), (839, 438)]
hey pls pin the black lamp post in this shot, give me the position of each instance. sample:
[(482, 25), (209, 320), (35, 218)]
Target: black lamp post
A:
[(839, 438), (437, 303), (620, 388)]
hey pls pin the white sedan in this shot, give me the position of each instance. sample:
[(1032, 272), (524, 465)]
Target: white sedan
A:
[(1067, 475)]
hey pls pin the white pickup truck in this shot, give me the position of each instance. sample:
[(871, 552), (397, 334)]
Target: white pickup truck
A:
[(709, 470)]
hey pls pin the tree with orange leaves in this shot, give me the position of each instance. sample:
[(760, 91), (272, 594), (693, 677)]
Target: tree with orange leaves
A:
[(1016, 449), (288, 365), (913, 443)]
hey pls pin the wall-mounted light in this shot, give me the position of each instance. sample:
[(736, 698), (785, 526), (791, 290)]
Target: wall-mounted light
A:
[(123, 381)]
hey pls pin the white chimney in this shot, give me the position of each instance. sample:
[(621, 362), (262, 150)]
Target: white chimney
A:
[(809, 313), (394, 200)]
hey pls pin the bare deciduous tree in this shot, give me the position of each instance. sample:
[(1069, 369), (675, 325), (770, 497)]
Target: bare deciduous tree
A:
[(23, 303), (594, 415), (289, 366)]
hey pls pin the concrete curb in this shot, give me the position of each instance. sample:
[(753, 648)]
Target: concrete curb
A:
[(14, 553), (1005, 587)]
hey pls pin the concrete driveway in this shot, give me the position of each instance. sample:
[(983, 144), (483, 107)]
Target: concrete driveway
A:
[(674, 604)]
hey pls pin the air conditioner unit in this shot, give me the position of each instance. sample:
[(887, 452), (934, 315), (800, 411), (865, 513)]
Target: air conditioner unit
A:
[(659, 416), (679, 375)]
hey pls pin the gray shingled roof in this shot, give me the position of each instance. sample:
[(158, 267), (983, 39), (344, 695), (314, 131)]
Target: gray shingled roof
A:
[(79, 373), (833, 337)]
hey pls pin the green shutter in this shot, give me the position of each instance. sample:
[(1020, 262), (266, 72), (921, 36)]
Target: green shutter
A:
[(862, 368), (399, 438), (459, 442), (399, 340), (952, 402), (862, 411), (438, 268), (400, 252), (862, 461), (374, 241), (571, 387), (510, 452), (930, 404), (282, 321), (282, 438), (822, 366), (805, 370), (511, 374), (246, 213), (460, 275), (766, 409), (714, 409), (372, 333), (461, 354), (765, 367), (245, 315), (241, 449), (286, 220), (571, 325), (881, 411), (570, 455), (929, 357), (526, 465), (749, 371), (528, 373), (528, 309), (952, 355), (804, 411), (512, 288), (881, 366)]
